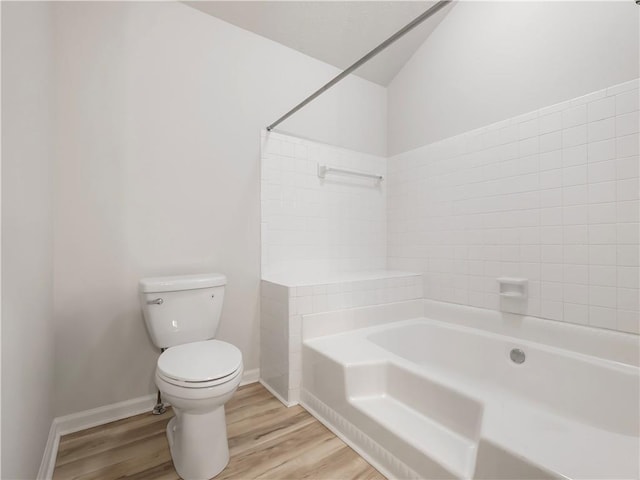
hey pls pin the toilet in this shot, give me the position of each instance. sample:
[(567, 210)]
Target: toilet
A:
[(196, 374)]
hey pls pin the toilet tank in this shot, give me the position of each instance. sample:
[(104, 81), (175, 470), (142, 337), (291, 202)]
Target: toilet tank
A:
[(182, 309)]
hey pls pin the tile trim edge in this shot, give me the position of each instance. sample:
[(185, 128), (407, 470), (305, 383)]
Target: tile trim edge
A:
[(375, 454)]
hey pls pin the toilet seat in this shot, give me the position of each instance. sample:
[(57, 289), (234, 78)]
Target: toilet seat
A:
[(200, 364)]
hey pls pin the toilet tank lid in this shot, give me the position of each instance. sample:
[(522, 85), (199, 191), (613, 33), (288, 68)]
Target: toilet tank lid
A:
[(181, 282)]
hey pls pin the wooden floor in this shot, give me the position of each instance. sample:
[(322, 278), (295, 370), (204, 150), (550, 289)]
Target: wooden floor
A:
[(266, 440)]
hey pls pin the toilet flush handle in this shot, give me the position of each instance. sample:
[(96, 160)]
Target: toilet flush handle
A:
[(157, 301)]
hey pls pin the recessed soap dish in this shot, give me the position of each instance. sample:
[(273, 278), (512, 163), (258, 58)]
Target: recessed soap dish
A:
[(513, 288), (511, 294)]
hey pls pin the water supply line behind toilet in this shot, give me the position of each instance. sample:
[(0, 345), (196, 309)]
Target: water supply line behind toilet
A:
[(159, 407)]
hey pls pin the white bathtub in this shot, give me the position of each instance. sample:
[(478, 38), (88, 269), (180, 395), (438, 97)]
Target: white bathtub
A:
[(424, 398)]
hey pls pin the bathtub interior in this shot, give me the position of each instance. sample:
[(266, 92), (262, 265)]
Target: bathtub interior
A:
[(384, 429), (422, 398), (597, 393), (447, 425)]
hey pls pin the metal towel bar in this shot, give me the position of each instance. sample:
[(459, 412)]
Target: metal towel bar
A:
[(324, 169)]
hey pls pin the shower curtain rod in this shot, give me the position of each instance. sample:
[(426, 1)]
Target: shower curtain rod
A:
[(400, 33)]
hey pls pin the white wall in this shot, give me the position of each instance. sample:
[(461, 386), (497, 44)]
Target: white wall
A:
[(551, 196), (160, 109), (489, 61), (27, 326)]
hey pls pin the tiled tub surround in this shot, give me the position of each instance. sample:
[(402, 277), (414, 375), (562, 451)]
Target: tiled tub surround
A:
[(435, 395), (551, 196), (284, 300), (336, 224)]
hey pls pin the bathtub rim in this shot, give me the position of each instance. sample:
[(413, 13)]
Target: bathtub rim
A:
[(616, 346)]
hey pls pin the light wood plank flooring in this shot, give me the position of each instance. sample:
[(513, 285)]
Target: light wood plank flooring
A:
[(266, 441)]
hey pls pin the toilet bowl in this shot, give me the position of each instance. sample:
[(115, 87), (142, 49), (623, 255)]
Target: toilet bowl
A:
[(197, 379)]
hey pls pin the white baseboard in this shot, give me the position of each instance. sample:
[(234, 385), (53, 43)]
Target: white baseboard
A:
[(50, 453), (99, 416), (87, 419), (250, 376), (276, 394)]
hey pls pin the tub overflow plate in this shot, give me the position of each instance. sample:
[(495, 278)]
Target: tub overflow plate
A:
[(517, 356)]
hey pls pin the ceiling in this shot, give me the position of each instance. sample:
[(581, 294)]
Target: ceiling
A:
[(335, 32)]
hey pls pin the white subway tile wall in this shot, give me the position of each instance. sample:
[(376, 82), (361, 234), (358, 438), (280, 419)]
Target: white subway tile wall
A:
[(282, 308), (551, 196), (337, 224)]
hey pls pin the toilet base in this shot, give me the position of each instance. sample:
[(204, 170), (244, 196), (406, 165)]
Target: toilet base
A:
[(198, 444)]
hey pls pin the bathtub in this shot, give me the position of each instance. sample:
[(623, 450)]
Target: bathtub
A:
[(426, 398)]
